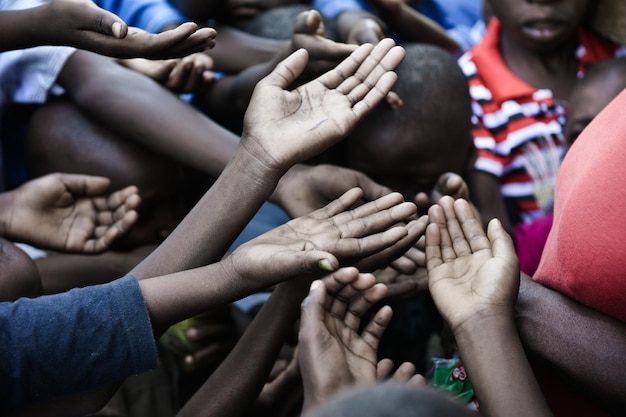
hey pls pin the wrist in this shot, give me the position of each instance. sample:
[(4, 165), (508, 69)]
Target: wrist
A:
[(254, 160), (481, 326)]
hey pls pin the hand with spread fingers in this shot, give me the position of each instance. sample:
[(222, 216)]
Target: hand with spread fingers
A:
[(69, 212)]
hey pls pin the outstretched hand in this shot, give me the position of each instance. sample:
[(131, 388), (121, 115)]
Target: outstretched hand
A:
[(324, 239), (82, 24), (470, 275), (71, 213), (284, 127), (332, 353)]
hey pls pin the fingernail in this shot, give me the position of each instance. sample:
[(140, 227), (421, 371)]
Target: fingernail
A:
[(325, 265), (314, 285), (117, 29)]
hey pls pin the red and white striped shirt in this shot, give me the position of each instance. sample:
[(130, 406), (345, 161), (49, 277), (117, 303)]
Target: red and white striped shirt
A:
[(517, 128)]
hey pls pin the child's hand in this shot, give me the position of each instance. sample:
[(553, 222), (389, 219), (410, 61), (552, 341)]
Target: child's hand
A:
[(333, 354), (470, 275), (72, 213), (306, 188), (179, 75), (82, 24), (284, 127), (324, 54), (324, 239)]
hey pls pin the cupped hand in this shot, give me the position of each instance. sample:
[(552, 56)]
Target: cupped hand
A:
[(71, 212), (470, 275)]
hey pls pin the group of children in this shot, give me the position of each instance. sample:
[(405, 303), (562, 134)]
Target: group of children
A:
[(422, 177)]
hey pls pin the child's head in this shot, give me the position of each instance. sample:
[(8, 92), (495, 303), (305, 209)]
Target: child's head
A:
[(241, 12), (539, 25), (409, 148), (601, 84)]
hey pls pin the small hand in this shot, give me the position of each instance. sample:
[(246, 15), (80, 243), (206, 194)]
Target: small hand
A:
[(305, 188), (333, 355), (324, 54), (82, 24), (179, 75), (71, 213), (282, 127), (470, 274), (325, 238), (402, 285)]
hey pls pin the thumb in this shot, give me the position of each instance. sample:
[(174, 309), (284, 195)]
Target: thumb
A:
[(313, 305), (501, 242), (287, 70)]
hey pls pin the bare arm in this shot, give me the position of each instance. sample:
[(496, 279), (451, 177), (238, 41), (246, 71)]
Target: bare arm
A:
[(586, 345), (82, 24), (270, 146), (486, 195), (474, 279)]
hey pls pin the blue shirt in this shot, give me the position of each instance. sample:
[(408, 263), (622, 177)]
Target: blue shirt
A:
[(462, 19), (150, 15), (71, 342)]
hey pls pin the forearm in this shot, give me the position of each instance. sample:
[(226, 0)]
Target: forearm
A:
[(232, 93), (588, 346), (205, 234), (236, 384), (236, 50), (498, 369), (19, 28), (412, 26), (130, 104)]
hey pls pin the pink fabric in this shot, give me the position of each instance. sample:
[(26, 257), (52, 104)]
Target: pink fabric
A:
[(530, 239), (584, 255)]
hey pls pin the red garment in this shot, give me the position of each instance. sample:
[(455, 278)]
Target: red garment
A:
[(509, 113), (584, 255)]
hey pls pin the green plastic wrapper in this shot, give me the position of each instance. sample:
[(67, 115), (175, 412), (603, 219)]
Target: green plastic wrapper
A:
[(450, 376)]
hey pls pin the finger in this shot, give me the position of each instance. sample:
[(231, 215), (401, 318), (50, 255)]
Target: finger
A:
[(369, 72), (106, 236), (384, 368), (106, 23), (346, 68), (404, 373), (374, 96), (501, 242), (417, 380), (356, 249), (374, 330), (460, 242), (204, 331), (437, 216), (402, 288), (343, 299), (433, 247), (208, 355), (84, 185), (287, 70), (343, 203), (179, 76), (312, 309), (472, 226), (384, 257), (362, 302), (335, 283), (376, 222), (378, 205)]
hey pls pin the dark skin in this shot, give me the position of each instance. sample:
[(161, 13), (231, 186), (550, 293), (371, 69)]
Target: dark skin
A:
[(538, 45), (82, 24)]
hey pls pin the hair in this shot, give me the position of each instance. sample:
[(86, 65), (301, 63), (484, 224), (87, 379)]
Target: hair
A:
[(392, 400), (437, 105)]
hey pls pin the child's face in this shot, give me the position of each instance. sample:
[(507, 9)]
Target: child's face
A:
[(588, 99), (539, 24)]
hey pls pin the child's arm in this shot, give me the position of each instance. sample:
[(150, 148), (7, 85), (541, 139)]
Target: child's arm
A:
[(281, 128), (585, 345), (474, 279), (487, 196), (412, 26), (232, 93), (67, 212), (82, 24), (306, 246)]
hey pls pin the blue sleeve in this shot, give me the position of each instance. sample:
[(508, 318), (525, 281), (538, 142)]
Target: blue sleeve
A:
[(333, 8), (66, 343), (150, 15)]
